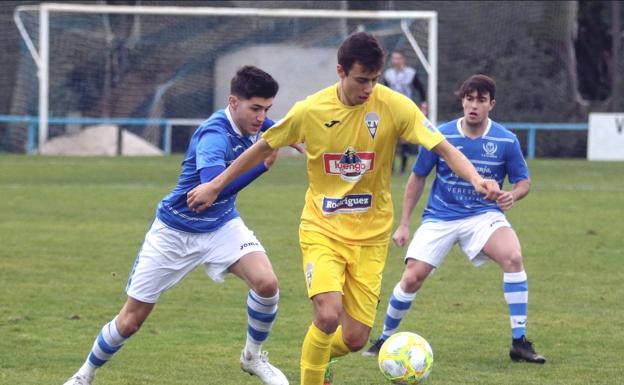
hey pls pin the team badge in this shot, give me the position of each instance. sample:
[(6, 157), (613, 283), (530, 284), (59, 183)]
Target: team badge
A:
[(372, 123), (490, 149)]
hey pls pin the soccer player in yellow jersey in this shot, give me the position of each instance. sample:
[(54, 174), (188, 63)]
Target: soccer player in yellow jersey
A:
[(350, 130)]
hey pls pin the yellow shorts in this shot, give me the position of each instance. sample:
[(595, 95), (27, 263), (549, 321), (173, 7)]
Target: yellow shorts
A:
[(353, 270)]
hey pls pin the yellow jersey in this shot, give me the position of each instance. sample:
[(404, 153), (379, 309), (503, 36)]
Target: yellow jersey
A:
[(350, 150)]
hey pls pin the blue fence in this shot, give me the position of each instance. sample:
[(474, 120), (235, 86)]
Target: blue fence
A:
[(532, 129), (32, 126), (167, 124)]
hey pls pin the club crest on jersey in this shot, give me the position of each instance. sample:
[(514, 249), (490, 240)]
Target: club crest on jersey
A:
[(372, 123), (490, 149), (353, 203), (350, 165)]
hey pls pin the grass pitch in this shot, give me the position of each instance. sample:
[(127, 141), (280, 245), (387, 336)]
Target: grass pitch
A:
[(70, 229)]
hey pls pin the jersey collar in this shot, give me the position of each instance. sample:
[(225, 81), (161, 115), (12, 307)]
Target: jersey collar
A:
[(229, 117), (461, 132)]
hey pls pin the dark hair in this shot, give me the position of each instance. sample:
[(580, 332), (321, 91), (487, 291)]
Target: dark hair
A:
[(481, 83), (251, 81), (363, 48)]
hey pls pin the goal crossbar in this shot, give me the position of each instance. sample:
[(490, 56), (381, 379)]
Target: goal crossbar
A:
[(225, 11)]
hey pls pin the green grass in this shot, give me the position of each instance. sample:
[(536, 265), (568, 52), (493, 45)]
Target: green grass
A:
[(70, 229)]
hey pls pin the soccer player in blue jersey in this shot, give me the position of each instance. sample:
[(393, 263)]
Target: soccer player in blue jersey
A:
[(180, 240), (455, 213)]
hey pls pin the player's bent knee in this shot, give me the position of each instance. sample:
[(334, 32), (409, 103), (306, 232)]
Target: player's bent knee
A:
[(355, 343), (514, 262), (413, 278), (327, 321), (411, 283), (266, 287), (129, 325)]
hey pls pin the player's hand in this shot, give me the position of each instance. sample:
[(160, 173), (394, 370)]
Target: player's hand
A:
[(401, 235), (489, 188), (270, 160), (506, 200), (300, 149), (201, 197)]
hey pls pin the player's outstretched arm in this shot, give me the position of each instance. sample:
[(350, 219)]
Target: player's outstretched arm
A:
[(507, 198), (462, 167), (270, 160), (202, 196), (245, 179), (413, 191)]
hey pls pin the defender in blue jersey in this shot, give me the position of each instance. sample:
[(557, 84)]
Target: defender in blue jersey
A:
[(180, 240), (456, 213)]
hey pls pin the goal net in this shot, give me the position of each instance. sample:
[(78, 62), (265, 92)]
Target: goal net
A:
[(166, 62)]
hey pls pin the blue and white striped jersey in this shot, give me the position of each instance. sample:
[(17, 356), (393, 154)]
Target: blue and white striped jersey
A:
[(217, 142), (495, 155)]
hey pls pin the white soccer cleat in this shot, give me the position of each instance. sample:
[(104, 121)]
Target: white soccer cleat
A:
[(79, 379), (260, 367)]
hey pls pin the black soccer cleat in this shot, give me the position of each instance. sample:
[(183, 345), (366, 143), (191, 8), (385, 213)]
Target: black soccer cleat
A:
[(373, 351), (522, 350)]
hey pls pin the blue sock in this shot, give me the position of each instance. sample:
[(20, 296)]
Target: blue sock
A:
[(107, 343), (516, 289), (261, 313), (398, 306)]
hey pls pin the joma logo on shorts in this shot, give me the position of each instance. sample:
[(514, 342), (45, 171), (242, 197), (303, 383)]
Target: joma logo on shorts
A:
[(249, 244)]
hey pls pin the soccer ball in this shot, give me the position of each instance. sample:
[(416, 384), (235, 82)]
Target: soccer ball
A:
[(405, 358)]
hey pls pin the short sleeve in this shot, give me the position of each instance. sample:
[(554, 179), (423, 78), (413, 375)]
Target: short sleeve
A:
[(414, 127), (211, 150), (288, 130), (517, 169)]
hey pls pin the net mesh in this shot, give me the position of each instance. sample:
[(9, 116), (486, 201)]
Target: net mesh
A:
[(166, 66)]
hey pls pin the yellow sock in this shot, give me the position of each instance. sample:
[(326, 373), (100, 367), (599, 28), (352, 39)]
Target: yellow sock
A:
[(338, 347), (315, 355)]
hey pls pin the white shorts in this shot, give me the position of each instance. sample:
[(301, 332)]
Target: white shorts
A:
[(168, 255), (433, 240)]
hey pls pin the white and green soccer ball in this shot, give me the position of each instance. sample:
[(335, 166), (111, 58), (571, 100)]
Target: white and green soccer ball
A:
[(405, 358)]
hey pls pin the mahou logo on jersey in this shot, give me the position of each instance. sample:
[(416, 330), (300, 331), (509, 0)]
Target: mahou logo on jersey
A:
[(350, 165)]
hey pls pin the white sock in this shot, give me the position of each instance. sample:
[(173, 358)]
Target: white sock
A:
[(108, 342), (398, 306), (87, 370), (261, 314)]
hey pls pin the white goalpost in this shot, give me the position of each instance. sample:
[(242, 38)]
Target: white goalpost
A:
[(98, 60)]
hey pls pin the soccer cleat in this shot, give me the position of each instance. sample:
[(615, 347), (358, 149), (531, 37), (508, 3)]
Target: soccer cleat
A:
[(373, 351), (522, 350), (328, 379), (79, 379), (259, 366)]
